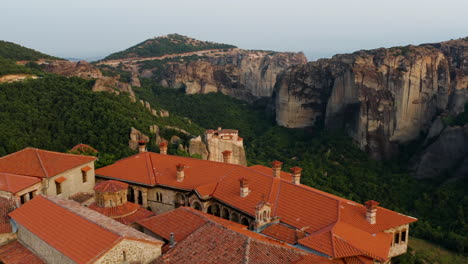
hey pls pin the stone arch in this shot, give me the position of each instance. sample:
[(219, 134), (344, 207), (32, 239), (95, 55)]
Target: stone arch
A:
[(213, 209), (179, 200), (245, 221), (131, 195), (140, 197), (235, 217), (196, 205), (225, 213)]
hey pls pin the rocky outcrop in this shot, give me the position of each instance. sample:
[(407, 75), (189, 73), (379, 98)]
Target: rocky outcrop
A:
[(381, 97), (196, 146), (135, 136), (246, 75), (111, 84), (448, 154), (80, 69)]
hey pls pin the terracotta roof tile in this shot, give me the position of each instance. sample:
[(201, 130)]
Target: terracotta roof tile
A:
[(298, 206), (110, 186), (126, 214), (61, 224), (281, 232), (60, 179), (40, 163), (14, 183), (16, 253), (220, 241)]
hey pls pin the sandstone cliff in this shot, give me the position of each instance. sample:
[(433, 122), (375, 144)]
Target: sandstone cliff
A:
[(381, 97), (242, 74)]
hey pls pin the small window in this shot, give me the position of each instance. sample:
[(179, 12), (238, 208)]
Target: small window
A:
[(124, 255), (23, 198), (84, 176), (159, 197), (403, 236), (396, 238), (58, 188)]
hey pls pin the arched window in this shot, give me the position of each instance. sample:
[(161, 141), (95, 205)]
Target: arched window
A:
[(130, 195), (196, 205), (179, 200), (140, 197), (245, 221), (213, 210), (235, 217), (225, 213)]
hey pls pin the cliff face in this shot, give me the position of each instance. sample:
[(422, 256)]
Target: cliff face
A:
[(380, 97), (242, 74)]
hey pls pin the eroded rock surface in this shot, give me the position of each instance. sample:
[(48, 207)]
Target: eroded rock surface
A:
[(381, 97)]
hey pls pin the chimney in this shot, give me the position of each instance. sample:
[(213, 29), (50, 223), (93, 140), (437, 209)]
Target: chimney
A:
[(220, 128), (141, 146), (180, 172), (163, 148), (172, 240), (244, 187), (227, 156), (371, 211), (276, 165), (296, 175)]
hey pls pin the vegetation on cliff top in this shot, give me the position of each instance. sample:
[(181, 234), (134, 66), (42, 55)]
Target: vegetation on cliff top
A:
[(9, 50), (170, 44)]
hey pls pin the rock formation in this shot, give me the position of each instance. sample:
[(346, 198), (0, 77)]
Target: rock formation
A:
[(381, 97), (135, 136), (220, 140), (242, 74), (196, 146), (80, 69), (448, 154)]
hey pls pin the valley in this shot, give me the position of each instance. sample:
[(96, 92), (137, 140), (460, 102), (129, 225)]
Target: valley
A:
[(361, 125)]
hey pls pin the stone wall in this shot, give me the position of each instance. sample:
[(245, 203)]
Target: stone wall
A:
[(41, 248), (131, 251), (166, 201), (398, 248), (73, 183)]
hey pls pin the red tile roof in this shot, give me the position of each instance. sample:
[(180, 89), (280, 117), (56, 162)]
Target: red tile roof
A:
[(61, 224), (60, 179), (110, 186), (16, 253), (126, 214), (14, 183), (40, 163), (86, 168), (211, 239), (281, 232), (298, 206)]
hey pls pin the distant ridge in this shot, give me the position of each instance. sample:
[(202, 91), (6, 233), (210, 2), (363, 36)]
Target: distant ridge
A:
[(13, 51), (168, 44)]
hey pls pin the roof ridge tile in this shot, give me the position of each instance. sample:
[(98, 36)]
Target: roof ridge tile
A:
[(41, 163)]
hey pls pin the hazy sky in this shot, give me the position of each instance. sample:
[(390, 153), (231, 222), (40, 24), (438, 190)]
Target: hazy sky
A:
[(87, 28)]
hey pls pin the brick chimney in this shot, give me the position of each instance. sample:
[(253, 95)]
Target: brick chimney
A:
[(180, 172), (244, 187), (227, 156), (296, 175), (141, 146), (276, 166), (163, 148), (371, 211)]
